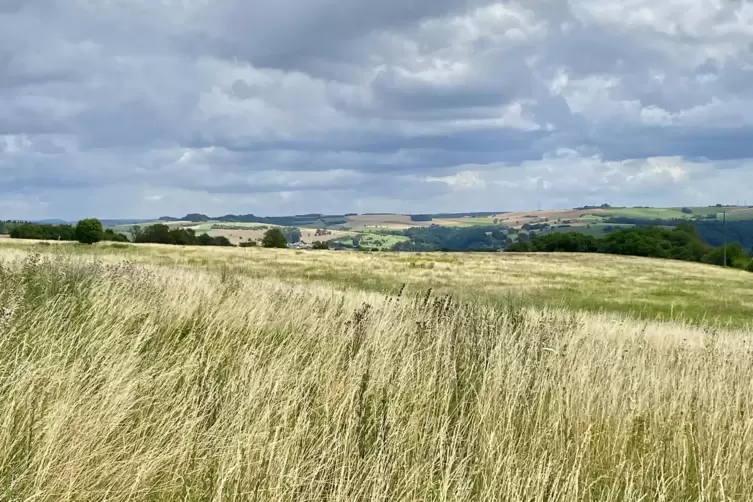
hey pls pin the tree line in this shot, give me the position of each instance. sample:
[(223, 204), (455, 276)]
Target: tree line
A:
[(679, 243), (87, 231), (440, 238), (159, 233), (90, 231)]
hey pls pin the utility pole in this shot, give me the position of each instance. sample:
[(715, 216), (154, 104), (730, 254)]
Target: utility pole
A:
[(724, 213)]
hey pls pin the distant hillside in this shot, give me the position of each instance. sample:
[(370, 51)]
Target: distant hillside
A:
[(52, 221)]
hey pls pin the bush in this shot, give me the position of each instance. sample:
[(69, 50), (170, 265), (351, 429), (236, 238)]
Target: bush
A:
[(249, 244), (274, 238), (320, 245), (736, 256), (111, 235), (89, 231), (221, 240), (520, 247)]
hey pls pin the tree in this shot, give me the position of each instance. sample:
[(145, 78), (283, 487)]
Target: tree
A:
[(111, 235), (320, 245), (89, 231), (736, 256), (420, 217), (274, 238), (292, 234)]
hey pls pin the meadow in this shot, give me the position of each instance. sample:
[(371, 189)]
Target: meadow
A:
[(148, 372)]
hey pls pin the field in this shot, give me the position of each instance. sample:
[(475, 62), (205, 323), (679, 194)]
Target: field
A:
[(738, 215), (370, 229), (148, 372), (309, 235), (402, 221), (383, 222)]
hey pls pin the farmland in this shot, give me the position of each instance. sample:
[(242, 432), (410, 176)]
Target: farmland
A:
[(152, 372), (380, 231)]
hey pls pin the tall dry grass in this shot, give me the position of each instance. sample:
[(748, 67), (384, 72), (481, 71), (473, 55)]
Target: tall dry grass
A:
[(131, 382)]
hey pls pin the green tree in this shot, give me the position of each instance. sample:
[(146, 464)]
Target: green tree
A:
[(292, 234), (89, 231), (274, 238), (111, 235), (736, 256)]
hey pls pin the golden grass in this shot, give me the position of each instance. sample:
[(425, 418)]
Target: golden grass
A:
[(641, 287), (132, 381), (383, 221), (238, 235)]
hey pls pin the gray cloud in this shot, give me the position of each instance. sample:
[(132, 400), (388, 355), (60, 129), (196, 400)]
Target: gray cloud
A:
[(144, 108)]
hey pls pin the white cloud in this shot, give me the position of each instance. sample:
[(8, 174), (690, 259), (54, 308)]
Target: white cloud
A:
[(279, 106)]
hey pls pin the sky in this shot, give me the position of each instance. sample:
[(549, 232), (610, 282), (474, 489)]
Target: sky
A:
[(144, 108)]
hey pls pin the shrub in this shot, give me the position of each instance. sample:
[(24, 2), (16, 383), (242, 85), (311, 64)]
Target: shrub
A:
[(89, 231), (736, 256), (111, 235), (520, 247), (221, 240), (274, 238), (248, 244), (320, 245)]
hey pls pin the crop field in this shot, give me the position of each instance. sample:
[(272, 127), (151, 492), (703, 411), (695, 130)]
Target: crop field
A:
[(582, 217), (648, 213), (402, 221), (149, 372), (383, 222), (309, 235), (237, 235)]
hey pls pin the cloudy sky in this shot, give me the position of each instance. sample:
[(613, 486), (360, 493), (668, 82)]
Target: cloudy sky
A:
[(141, 108)]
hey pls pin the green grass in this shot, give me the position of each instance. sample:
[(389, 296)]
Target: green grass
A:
[(651, 213), (701, 210), (738, 215), (484, 221), (590, 218), (380, 241)]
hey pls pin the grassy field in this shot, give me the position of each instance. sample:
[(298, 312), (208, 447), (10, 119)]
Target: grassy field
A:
[(648, 213), (642, 288), (160, 373), (738, 215), (367, 223)]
